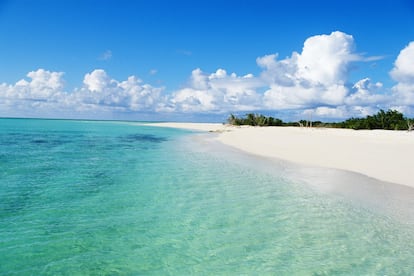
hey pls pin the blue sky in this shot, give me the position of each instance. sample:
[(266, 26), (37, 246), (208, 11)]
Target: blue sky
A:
[(173, 60)]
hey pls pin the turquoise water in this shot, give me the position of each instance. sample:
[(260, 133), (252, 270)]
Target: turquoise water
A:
[(108, 198)]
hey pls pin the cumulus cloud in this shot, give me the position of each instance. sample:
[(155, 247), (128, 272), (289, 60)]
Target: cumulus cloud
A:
[(98, 80), (43, 93), (42, 85), (365, 92), (316, 79), (403, 73), (217, 92), (313, 81), (325, 59), (41, 89), (327, 112), (364, 98), (316, 76), (403, 70), (131, 94), (338, 112)]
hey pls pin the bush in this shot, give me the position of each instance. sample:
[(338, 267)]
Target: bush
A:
[(391, 120)]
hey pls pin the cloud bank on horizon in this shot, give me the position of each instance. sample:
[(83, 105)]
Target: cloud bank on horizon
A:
[(315, 81)]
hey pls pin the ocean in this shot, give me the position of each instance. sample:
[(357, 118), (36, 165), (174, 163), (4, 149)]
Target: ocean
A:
[(118, 198)]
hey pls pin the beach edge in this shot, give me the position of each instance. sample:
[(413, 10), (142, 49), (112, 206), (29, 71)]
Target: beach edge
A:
[(380, 154)]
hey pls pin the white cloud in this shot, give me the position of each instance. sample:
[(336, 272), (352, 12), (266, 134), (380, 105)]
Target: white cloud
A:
[(42, 79), (314, 80), (98, 80), (326, 112), (42, 86), (41, 90), (44, 94), (193, 100), (338, 112), (317, 79), (217, 92), (403, 73), (325, 59), (403, 94), (316, 76), (130, 94), (107, 55), (403, 70), (364, 92), (277, 72), (299, 97)]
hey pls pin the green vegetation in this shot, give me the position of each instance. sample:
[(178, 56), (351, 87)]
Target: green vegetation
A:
[(391, 120), (254, 120)]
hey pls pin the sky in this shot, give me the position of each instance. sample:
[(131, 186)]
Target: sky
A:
[(202, 60)]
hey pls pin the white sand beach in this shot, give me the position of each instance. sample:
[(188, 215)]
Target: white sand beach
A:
[(193, 126), (381, 154)]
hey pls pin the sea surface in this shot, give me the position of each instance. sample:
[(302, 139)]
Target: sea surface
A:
[(116, 198)]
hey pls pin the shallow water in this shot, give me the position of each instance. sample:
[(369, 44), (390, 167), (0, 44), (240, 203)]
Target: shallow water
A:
[(116, 198)]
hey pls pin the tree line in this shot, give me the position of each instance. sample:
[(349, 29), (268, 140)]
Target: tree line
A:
[(391, 120)]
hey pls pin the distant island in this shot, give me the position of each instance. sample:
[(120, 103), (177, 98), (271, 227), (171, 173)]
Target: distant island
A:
[(389, 120)]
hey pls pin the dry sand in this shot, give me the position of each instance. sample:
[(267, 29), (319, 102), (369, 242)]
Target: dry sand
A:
[(193, 126), (381, 154)]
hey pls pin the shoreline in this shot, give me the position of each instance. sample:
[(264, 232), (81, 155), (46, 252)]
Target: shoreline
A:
[(380, 154)]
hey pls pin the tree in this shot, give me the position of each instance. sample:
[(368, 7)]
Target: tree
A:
[(391, 120), (233, 120)]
